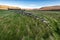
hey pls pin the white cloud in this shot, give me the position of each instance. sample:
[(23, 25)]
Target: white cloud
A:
[(32, 5), (21, 5)]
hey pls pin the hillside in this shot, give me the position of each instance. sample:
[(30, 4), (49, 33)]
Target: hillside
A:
[(52, 8), (5, 7)]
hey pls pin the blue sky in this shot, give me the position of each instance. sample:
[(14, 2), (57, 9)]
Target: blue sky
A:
[(30, 3)]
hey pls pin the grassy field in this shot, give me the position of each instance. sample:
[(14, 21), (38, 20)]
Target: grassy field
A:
[(14, 26)]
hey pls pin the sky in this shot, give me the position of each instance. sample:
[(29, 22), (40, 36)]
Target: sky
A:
[(30, 3)]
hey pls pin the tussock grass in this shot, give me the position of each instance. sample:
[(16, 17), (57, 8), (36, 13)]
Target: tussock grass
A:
[(15, 26)]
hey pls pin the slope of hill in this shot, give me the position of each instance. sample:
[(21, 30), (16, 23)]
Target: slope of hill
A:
[(5, 7), (52, 8)]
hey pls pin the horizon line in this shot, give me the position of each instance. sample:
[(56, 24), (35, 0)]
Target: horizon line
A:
[(28, 7)]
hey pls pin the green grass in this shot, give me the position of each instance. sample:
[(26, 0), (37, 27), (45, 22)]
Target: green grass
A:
[(15, 26)]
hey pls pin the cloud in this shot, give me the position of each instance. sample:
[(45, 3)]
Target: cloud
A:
[(21, 5), (32, 5)]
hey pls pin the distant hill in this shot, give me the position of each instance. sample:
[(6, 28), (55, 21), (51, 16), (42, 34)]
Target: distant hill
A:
[(5, 7), (51, 8)]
